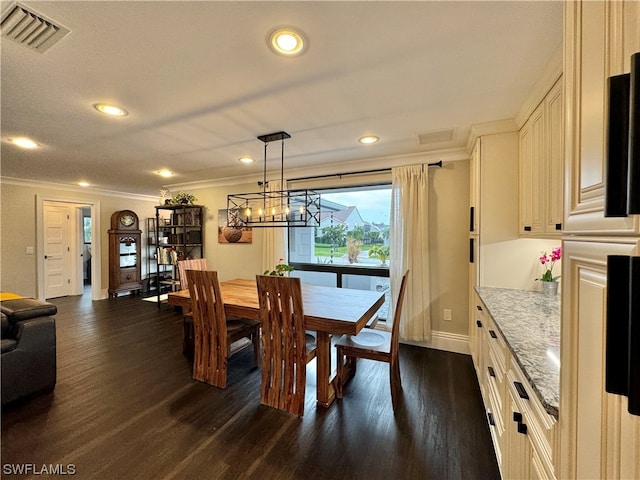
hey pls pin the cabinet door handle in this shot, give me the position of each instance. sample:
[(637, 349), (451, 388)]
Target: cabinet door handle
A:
[(633, 202), (522, 428), (617, 148), (471, 218), (478, 324), (634, 337), (471, 251), (517, 417), (493, 334), (492, 422), (478, 307), (492, 372), (617, 327), (558, 226), (522, 393)]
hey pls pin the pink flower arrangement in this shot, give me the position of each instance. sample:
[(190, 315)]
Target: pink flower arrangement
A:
[(548, 261)]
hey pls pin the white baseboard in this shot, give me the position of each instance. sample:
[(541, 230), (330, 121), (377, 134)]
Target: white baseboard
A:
[(450, 342)]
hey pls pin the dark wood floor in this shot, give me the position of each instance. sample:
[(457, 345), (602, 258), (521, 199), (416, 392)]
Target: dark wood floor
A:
[(125, 407)]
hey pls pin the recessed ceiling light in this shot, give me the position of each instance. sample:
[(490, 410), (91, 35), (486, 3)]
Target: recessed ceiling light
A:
[(84, 184), (368, 139), (165, 173), (24, 142), (287, 41), (245, 160), (109, 109)]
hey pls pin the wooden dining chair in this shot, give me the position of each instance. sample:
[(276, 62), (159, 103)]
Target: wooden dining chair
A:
[(379, 345), (285, 347), (187, 316), (213, 332)]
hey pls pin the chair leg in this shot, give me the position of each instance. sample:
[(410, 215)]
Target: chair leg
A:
[(340, 374), (395, 382), (187, 339), (255, 338)]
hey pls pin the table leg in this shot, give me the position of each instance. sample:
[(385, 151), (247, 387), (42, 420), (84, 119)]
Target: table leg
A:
[(326, 391)]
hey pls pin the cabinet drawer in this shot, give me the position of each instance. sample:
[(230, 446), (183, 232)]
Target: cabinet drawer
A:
[(497, 346), (541, 427), (129, 275)]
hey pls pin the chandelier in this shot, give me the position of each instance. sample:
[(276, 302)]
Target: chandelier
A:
[(268, 208)]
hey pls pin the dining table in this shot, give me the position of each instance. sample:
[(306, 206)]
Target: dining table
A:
[(328, 311)]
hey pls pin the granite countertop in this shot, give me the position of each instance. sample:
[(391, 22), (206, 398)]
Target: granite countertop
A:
[(530, 323)]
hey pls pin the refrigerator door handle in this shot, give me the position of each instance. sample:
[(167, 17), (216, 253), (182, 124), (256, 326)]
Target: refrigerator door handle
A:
[(622, 367), (617, 148), (634, 337), (633, 202), (617, 328)]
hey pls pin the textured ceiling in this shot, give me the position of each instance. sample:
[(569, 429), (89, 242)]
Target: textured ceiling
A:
[(200, 84)]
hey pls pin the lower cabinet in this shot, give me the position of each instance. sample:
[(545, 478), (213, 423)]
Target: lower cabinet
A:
[(532, 434), (524, 435)]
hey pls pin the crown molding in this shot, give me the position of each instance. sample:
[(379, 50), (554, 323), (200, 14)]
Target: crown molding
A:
[(551, 74), (446, 155), (73, 188), (490, 128)]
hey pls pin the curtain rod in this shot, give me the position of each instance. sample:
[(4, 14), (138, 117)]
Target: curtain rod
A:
[(361, 172)]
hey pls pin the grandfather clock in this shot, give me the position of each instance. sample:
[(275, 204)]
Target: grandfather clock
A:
[(124, 253)]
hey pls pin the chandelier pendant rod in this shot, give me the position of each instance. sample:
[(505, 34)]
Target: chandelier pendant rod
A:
[(281, 174), (264, 182)]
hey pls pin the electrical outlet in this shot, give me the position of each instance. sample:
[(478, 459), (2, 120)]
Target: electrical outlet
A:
[(29, 250), (447, 314)]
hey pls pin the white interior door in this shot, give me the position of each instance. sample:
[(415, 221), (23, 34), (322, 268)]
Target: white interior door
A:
[(57, 268)]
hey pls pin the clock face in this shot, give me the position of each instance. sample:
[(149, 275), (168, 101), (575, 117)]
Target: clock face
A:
[(127, 220)]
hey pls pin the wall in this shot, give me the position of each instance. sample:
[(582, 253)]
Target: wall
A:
[(449, 187), (19, 270), (230, 260), (449, 246), (449, 228)]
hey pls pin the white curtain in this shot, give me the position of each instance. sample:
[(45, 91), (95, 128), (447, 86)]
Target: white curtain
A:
[(274, 239), (409, 245)]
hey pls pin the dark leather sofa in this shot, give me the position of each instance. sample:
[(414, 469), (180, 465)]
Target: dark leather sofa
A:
[(28, 359)]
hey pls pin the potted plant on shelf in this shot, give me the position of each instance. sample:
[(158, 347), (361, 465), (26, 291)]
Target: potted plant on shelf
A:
[(549, 282), (183, 198)]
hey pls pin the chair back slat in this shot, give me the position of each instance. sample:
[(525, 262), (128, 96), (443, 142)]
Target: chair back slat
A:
[(283, 343), (190, 264), (210, 328)]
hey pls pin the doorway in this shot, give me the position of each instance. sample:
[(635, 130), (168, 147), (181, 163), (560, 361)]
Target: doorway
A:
[(63, 246)]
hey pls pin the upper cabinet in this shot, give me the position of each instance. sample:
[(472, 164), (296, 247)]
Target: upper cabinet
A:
[(541, 167), (600, 38)]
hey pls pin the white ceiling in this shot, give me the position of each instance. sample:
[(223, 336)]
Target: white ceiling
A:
[(200, 84)]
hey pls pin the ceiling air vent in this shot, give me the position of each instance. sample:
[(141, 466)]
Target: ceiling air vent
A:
[(436, 136), (30, 28)]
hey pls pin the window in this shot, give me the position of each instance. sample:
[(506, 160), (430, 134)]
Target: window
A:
[(350, 248), (87, 229)]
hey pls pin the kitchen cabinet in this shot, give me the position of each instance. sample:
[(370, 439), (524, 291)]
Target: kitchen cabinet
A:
[(530, 420), (599, 438), (493, 213), (600, 38), (541, 168), (476, 336), (519, 328)]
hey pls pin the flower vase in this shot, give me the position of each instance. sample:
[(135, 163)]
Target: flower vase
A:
[(550, 288)]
